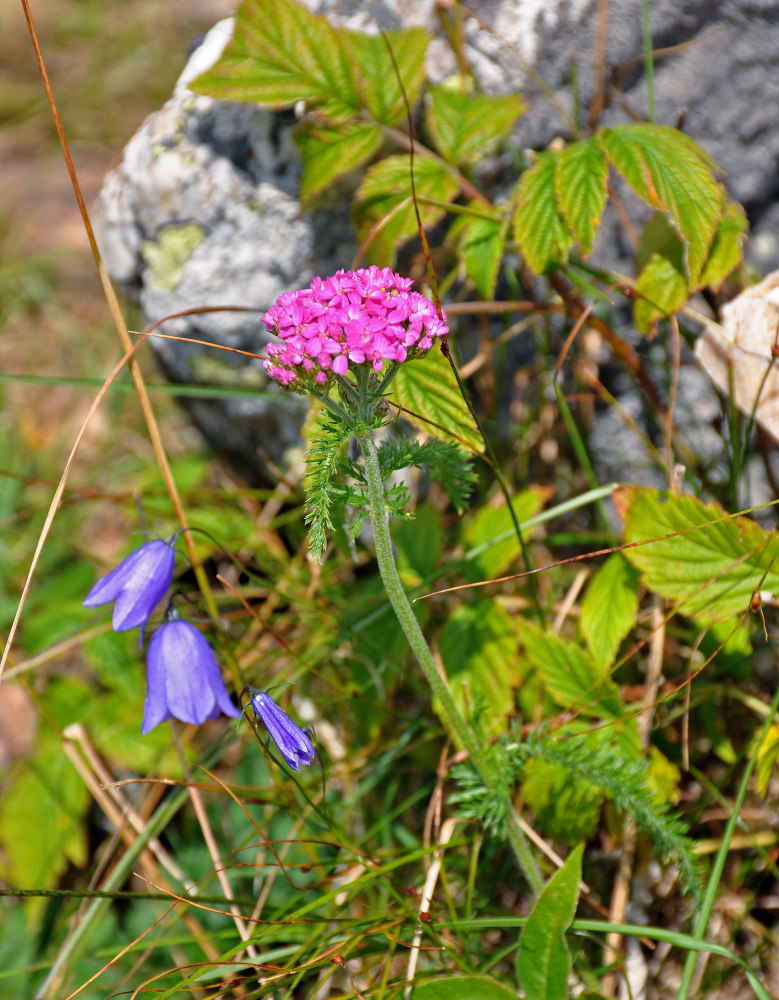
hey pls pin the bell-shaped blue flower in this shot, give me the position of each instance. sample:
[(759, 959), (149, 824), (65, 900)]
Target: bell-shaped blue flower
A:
[(293, 742), (182, 678), (138, 584)]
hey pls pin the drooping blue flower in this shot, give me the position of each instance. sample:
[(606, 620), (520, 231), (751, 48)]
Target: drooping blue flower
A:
[(182, 677), (138, 584), (293, 742)]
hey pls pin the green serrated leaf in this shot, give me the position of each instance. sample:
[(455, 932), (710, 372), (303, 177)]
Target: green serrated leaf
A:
[(462, 988), (281, 53), (565, 807), (329, 152), (580, 186), (384, 209), (662, 291), (540, 229), (712, 563), (570, 677), (464, 126), (478, 646), (662, 281), (483, 246), (377, 79), (673, 174), (610, 758), (543, 963), (727, 249), (492, 546), (430, 396), (609, 609)]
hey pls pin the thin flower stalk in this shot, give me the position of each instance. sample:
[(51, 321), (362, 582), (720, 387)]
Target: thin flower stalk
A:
[(408, 622)]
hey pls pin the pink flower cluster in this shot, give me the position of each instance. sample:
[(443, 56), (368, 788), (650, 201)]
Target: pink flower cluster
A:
[(367, 316)]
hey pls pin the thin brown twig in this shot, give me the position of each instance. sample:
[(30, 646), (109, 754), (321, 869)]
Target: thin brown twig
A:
[(599, 68)]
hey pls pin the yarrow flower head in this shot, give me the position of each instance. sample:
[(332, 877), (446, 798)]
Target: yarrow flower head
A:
[(138, 584), (363, 317), (182, 678), (293, 742)]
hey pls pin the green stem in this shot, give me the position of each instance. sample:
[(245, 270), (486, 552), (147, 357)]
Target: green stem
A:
[(418, 643)]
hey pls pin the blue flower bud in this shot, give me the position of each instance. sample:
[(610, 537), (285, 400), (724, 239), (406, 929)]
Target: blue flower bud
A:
[(183, 678), (293, 742), (138, 584)]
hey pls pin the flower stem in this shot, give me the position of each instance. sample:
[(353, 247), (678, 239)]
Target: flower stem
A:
[(418, 643)]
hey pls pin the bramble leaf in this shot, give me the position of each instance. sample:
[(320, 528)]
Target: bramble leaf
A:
[(711, 565), (428, 391), (384, 200), (544, 962), (477, 647), (483, 243), (662, 279), (377, 81), (580, 187), (609, 609), (570, 677), (281, 53), (726, 251), (565, 807), (673, 174), (462, 125), (328, 152), (490, 538), (539, 227)]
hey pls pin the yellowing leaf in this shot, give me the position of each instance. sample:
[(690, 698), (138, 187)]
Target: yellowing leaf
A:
[(580, 187), (539, 226), (430, 396), (281, 53), (569, 676), (330, 151), (609, 608), (712, 563), (492, 546), (377, 80), (565, 807), (483, 247), (462, 125), (727, 249), (662, 291), (383, 205), (478, 649), (673, 174)]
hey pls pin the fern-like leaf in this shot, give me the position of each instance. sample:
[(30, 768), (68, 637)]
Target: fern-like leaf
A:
[(445, 460), (321, 462), (623, 780)]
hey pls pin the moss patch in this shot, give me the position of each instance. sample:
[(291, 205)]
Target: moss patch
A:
[(167, 256)]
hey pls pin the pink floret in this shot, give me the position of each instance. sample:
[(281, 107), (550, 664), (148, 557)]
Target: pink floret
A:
[(367, 316)]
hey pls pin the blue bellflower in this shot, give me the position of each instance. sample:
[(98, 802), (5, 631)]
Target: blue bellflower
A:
[(182, 678), (293, 742), (138, 584)]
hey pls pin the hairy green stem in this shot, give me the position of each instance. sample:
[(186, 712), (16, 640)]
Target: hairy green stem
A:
[(418, 643)]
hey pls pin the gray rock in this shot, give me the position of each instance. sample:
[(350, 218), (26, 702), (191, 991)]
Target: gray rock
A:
[(204, 209), (203, 212)]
